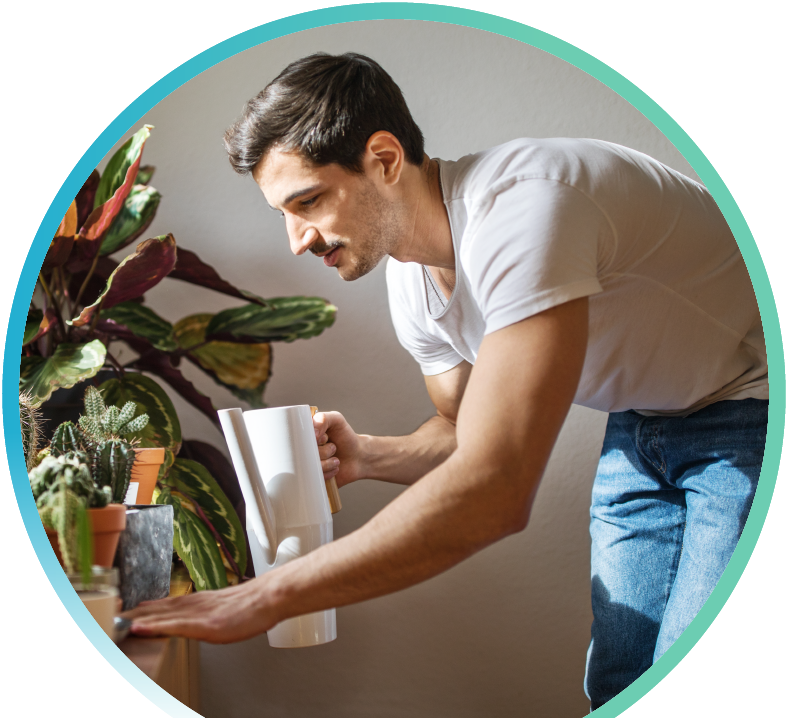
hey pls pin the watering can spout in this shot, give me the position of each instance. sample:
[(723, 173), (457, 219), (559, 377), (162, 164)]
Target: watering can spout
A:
[(263, 521)]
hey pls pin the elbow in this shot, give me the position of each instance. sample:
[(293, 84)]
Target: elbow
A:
[(519, 520)]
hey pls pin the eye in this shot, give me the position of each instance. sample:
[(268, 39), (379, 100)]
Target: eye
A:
[(309, 202)]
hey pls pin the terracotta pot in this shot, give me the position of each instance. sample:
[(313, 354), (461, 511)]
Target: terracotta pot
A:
[(144, 473), (106, 525)]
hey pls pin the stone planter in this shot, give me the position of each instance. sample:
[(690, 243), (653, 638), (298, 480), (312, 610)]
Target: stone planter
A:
[(144, 555)]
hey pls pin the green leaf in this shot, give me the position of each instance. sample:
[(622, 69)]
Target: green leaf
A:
[(115, 174), (136, 274), (284, 319), (134, 218), (242, 368), (145, 173), (163, 428), (32, 325), (194, 543), (144, 323), (69, 365), (194, 481)]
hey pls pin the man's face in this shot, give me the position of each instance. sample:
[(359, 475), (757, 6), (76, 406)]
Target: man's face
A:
[(335, 214)]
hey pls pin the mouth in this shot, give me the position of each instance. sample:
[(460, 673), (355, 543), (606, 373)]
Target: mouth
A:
[(330, 259)]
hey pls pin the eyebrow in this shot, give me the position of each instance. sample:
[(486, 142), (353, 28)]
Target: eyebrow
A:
[(295, 195)]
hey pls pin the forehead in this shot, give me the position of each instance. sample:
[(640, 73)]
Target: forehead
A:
[(280, 173)]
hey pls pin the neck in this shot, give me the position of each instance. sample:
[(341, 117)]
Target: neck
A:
[(429, 240)]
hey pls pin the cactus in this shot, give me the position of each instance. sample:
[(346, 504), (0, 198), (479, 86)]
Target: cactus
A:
[(67, 437), (100, 423), (63, 489), (30, 423), (112, 463)]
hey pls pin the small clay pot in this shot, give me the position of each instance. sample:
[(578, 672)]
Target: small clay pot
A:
[(106, 525), (144, 473)]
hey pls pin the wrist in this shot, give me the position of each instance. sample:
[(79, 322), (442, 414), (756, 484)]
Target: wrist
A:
[(366, 456)]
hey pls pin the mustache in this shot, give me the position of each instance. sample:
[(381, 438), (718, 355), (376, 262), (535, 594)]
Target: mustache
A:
[(323, 247)]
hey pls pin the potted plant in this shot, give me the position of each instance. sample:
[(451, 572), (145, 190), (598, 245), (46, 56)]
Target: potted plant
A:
[(85, 302)]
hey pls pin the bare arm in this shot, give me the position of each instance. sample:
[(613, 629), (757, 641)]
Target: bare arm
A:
[(397, 459), (514, 405)]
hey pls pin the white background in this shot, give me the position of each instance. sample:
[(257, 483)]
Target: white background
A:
[(717, 74)]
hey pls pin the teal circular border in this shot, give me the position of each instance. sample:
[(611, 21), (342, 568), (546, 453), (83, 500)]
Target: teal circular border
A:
[(398, 11)]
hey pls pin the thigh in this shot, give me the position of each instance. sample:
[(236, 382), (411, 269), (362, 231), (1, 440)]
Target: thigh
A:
[(637, 527), (717, 455)]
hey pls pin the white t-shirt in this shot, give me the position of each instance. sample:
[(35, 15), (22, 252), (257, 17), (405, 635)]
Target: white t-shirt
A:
[(673, 321)]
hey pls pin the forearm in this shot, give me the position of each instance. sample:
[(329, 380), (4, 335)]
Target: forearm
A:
[(405, 459), (450, 514)]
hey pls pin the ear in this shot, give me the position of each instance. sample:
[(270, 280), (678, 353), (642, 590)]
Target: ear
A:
[(384, 157)]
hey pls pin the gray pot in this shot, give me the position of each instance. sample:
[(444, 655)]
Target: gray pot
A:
[(144, 556)]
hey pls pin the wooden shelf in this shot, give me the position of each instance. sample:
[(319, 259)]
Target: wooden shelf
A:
[(172, 663)]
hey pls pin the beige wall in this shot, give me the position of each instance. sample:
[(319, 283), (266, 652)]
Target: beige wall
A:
[(505, 633)]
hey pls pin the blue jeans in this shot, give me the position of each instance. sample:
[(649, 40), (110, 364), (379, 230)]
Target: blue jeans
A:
[(669, 503)]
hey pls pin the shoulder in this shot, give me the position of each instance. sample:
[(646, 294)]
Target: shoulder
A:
[(575, 162)]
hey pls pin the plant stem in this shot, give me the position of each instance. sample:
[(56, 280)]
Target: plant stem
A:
[(89, 274), (53, 304), (116, 364)]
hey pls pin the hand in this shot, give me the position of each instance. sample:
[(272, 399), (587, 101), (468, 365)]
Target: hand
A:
[(339, 446), (224, 616)]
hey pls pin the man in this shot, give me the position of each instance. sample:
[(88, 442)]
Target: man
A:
[(523, 278)]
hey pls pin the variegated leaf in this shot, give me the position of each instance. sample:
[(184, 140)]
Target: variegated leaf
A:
[(47, 321), (194, 481), (143, 322), (194, 543), (60, 247), (134, 218), (145, 173), (163, 428), (32, 325), (243, 368), (113, 189), (69, 365), (283, 319), (116, 173), (135, 275)]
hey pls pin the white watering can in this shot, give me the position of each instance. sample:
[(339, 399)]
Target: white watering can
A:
[(288, 513)]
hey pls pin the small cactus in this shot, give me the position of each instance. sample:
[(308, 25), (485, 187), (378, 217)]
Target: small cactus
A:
[(112, 463), (100, 422), (67, 437), (63, 489), (30, 422)]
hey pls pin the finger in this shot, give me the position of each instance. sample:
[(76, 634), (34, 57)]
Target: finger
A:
[(322, 439), (326, 451), (324, 421), (330, 468)]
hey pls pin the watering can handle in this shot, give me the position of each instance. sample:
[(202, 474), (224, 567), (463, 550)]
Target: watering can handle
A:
[(331, 484)]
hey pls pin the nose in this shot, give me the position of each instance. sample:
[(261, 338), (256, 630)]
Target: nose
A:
[(301, 238)]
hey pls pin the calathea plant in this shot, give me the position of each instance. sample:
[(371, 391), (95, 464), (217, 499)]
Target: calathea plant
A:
[(86, 303)]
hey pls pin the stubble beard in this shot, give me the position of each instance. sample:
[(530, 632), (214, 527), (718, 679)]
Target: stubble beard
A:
[(377, 235)]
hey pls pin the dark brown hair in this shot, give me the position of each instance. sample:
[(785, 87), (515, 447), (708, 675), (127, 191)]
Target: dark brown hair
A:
[(324, 107)]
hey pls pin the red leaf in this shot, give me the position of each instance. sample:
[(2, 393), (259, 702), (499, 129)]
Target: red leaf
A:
[(49, 320), (59, 251), (192, 269), (99, 221), (135, 275), (85, 197)]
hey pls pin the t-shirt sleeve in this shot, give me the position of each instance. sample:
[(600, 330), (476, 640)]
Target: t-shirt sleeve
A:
[(532, 246), (408, 314)]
